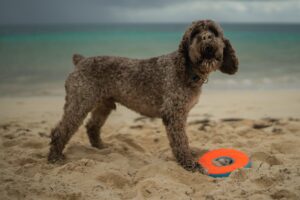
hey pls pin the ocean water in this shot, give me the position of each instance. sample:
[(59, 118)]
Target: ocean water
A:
[(36, 59)]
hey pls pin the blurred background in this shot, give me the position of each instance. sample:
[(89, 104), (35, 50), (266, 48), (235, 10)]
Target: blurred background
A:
[(38, 38)]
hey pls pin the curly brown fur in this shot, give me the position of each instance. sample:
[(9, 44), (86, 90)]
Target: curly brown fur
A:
[(167, 87)]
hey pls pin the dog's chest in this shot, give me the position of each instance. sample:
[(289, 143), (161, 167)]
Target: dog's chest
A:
[(192, 99)]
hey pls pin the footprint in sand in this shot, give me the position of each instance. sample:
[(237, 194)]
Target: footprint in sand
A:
[(81, 166), (232, 119), (136, 127), (79, 151), (265, 181), (267, 158), (261, 125), (25, 161), (130, 143), (286, 147), (149, 189), (10, 143), (284, 194), (114, 179), (160, 188), (33, 144)]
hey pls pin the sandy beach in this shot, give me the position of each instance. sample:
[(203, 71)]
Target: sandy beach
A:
[(138, 163)]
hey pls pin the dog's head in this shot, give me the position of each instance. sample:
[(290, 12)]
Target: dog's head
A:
[(203, 46)]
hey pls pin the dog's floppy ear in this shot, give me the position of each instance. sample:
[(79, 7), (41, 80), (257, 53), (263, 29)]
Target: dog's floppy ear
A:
[(183, 49), (230, 60)]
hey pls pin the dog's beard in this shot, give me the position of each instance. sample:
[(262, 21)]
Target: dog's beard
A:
[(209, 65), (203, 64)]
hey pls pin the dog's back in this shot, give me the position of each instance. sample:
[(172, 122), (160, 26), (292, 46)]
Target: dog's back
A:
[(139, 84)]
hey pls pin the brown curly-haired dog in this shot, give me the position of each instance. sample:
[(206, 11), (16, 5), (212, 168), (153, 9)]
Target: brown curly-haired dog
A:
[(167, 87)]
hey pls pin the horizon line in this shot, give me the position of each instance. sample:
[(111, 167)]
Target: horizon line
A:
[(143, 23)]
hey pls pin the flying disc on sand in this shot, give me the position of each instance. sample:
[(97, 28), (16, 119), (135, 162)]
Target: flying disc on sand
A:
[(221, 162)]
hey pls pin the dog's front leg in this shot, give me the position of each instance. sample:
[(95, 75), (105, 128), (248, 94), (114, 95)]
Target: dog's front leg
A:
[(175, 127)]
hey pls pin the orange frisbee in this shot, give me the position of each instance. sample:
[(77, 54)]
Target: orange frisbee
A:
[(230, 160)]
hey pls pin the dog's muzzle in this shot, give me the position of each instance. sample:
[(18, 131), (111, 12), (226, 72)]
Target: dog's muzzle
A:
[(209, 52)]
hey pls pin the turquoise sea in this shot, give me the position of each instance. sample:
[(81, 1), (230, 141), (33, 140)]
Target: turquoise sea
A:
[(36, 59)]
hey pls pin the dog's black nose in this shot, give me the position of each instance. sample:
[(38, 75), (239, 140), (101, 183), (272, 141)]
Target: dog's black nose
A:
[(209, 52)]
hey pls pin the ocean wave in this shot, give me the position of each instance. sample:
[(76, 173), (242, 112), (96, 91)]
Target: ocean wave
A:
[(283, 82)]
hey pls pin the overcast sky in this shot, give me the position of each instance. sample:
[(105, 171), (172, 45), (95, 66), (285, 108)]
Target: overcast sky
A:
[(119, 11)]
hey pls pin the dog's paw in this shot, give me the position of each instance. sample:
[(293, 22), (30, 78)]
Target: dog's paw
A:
[(200, 169), (193, 166), (100, 145), (56, 158)]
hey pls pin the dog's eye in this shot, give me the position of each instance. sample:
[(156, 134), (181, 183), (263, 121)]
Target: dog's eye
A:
[(214, 31)]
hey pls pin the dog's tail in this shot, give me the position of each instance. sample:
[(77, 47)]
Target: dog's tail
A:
[(77, 58)]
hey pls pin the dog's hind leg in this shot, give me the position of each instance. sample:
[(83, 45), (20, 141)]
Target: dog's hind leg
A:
[(73, 117), (97, 120), (78, 104)]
